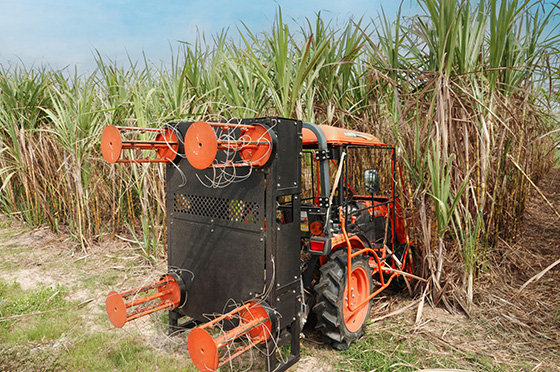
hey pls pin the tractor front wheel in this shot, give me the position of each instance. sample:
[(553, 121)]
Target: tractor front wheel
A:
[(334, 319)]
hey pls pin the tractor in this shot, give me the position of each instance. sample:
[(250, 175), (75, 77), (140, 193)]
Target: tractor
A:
[(272, 224)]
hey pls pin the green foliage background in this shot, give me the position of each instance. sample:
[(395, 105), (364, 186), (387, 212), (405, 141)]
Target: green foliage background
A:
[(466, 91)]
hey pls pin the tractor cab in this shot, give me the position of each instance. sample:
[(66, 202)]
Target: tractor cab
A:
[(355, 172)]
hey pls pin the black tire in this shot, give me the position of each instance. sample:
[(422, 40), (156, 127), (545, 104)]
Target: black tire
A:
[(330, 308), (410, 266)]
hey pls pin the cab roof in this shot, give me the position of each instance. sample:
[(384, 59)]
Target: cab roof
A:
[(341, 136)]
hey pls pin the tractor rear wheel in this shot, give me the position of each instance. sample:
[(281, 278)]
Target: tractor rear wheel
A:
[(334, 319)]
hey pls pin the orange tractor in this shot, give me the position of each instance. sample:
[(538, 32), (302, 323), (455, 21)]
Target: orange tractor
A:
[(272, 224)]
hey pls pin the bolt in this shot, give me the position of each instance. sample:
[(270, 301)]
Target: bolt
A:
[(353, 295), (278, 228), (277, 185), (278, 299)]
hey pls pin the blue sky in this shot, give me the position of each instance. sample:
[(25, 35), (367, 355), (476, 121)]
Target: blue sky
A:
[(61, 33)]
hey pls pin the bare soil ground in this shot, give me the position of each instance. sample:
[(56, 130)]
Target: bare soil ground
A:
[(519, 330)]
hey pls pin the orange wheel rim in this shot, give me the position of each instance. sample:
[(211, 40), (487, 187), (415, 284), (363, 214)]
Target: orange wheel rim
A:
[(203, 350), (257, 156), (175, 295), (201, 145), (169, 152), (256, 311), (359, 292), (111, 144), (116, 309)]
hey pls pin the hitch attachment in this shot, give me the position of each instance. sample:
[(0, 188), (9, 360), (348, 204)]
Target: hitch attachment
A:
[(165, 144), (255, 323), (170, 295)]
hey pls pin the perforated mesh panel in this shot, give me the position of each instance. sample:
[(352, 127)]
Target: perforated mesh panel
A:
[(218, 208)]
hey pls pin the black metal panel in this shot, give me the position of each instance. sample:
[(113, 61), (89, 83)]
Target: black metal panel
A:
[(288, 168), (226, 210), (287, 248), (219, 266), (241, 205), (288, 303), (287, 174), (227, 242)]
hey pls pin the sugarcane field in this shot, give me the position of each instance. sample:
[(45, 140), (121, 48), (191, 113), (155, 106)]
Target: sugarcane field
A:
[(329, 193)]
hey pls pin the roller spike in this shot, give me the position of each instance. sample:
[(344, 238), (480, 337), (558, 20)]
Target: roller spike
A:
[(168, 296), (165, 145), (255, 324), (253, 143)]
